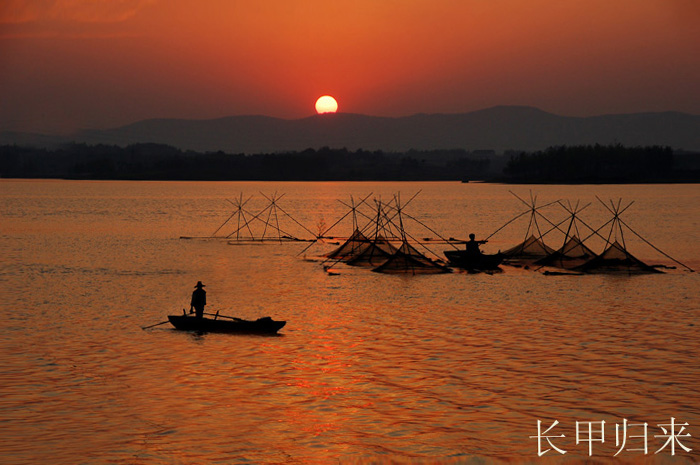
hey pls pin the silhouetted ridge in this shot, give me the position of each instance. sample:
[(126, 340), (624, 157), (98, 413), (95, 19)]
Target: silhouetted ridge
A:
[(501, 128)]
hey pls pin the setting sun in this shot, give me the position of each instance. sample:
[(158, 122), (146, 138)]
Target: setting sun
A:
[(326, 104)]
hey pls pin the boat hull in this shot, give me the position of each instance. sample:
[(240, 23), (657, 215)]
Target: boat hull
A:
[(461, 259), (209, 325)]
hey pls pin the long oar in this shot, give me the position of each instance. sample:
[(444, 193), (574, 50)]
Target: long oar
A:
[(223, 316), (157, 324)]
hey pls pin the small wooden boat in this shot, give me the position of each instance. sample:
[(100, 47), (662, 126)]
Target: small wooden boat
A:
[(264, 325), (462, 259)]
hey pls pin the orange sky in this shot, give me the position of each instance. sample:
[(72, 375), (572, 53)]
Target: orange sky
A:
[(69, 64)]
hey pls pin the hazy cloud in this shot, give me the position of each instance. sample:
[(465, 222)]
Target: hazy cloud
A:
[(77, 11)]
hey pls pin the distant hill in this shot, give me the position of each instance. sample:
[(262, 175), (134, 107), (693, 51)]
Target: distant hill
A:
[(29, 139), (498, 128)]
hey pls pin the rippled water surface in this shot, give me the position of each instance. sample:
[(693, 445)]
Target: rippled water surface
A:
[(370, 368)]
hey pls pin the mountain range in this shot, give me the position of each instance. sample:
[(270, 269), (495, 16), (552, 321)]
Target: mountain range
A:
[(499, 128)]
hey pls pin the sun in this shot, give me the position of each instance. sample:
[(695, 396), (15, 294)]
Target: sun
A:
[(326, 104)]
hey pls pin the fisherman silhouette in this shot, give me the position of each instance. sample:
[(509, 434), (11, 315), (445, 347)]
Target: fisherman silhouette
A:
[(473, 245), (199, 300)]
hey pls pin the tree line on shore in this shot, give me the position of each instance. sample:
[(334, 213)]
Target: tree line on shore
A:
[(156, 161), (603, 164), (565, 164)]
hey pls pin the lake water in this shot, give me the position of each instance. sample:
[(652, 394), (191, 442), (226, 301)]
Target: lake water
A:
[(371, 368)]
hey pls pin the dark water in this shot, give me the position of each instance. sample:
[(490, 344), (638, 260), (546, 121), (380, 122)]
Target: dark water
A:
[(373, 368)]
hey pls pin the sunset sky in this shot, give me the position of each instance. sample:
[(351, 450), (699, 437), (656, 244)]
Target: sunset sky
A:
[(73, 64)]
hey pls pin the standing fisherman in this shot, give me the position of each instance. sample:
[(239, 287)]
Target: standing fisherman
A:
[(199, 300)]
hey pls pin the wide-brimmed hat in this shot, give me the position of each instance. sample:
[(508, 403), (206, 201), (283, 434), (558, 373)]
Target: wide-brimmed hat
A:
[(199, 284)]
